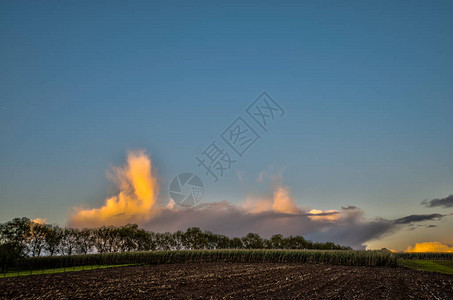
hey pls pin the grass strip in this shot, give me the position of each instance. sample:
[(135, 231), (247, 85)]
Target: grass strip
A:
[(59, 270), (440, 266)]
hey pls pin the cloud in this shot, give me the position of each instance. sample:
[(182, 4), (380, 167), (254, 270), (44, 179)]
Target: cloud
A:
[(430, 247), (256, 206), (350, 227), (261, 177), (353, 229), (275, 213), (283, 202), (442, 202), (348, 207), (135, 201), (324, 215), (39, 221), (418, 218)]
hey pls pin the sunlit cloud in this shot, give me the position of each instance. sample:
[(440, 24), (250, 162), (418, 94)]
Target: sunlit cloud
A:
[(274, 213), (281, 202), (324, 215), (135, 202), (39, 221), (171, 204), (256, 205), (430, 247)]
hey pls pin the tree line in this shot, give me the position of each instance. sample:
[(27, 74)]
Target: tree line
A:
[(21, 237)]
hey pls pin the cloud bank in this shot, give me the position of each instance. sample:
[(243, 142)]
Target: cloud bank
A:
[(430, 247), (277, 213)]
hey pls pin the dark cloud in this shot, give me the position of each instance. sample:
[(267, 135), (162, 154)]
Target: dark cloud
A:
[(348, 207), (442, 202), (225, 218), (351, 228), (418, 218), (356, 232)]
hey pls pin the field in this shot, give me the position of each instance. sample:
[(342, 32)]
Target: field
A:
[(335, 257), (309, 274), (234, 281), (16, 273), (441, 266)]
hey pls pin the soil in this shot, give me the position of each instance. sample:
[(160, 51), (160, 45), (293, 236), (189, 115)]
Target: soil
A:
[(233, 281)]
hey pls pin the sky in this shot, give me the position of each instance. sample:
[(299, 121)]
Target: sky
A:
[(112, 100)]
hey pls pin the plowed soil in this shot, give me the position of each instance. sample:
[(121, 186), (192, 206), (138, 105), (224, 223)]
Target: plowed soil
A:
[(233, 281)]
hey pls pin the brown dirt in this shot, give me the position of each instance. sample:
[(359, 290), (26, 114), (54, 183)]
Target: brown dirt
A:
[(233, 281)]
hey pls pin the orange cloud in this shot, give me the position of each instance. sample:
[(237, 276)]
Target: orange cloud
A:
[(324, 215), (39, 221), (135, 202), (256, 206), (430, 247), (281, 202)]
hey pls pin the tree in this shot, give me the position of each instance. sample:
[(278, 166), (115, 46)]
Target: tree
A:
[(127, 237), (21, 237), (142, 240), (13, 241), (8, 255), (236, 243), (223, 242), (53, 239), (101, 239), (212, 239), (84, 241), (68, 241), (16, 232), (277, 241), (37, 238), (296, 242), (178, 238), (253, 241), (152, 244), (195, 239)]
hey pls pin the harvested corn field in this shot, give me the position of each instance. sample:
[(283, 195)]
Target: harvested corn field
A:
[(234, 281)]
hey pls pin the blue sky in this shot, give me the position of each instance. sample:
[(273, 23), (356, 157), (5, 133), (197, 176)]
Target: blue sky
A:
[(366, 86)]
